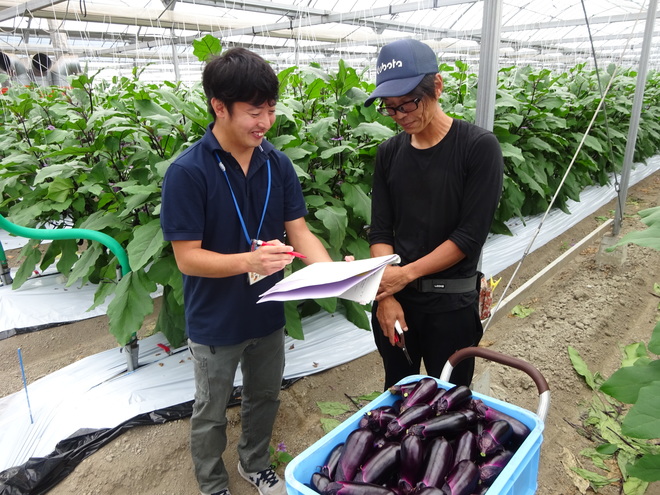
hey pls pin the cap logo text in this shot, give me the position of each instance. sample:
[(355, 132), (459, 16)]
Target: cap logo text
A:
[(389, 65)]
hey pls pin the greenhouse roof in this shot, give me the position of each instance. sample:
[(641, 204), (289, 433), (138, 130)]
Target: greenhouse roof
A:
[(120, 34)]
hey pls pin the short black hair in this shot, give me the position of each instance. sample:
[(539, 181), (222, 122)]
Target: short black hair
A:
[(239, 75)]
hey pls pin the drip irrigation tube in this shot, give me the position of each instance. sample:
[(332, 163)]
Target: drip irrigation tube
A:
[(57, 234)]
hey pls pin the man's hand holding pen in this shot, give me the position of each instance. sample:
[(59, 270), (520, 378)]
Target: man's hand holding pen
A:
[(270, 257)]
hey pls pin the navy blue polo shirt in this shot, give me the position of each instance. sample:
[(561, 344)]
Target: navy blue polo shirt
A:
[(197, 204)]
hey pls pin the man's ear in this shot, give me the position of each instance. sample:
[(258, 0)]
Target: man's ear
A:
[(218, 107), (439, 85)]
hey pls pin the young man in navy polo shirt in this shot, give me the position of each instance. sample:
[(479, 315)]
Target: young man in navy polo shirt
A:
[(436, 186), (226, 190)]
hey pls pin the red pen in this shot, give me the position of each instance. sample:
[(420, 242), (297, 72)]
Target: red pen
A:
[(292, 253)]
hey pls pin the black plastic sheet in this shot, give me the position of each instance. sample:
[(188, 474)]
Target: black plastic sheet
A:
[(40, 474)]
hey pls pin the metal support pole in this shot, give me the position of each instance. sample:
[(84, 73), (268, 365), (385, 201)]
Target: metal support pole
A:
[(635, 116), (488, 63), (175, 59)]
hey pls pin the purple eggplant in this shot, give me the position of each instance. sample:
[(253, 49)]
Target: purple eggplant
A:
[(454, 399), (359, 444), (412, 457), (330, 466), (472, 417), (466, 447), (378, 419), (411, 416), (423, 392), (380, 465), (356, 488), (380, 441), (494, 437), (429, 490), (441, 391), (449, 424), (463, 479), (520, 430), (320, 482), (402, 389), (492, 467), (438, 462)]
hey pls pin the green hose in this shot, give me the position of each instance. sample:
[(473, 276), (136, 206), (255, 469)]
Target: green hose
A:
[(58, 234)]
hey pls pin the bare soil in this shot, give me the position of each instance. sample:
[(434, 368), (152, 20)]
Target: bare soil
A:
[(594, 307)]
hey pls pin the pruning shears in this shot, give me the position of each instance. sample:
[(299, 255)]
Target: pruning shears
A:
[(401, 339)]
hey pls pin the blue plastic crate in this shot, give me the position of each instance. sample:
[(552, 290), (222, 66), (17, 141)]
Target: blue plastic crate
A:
[(519, 477)]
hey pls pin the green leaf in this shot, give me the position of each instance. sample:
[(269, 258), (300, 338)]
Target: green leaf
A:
[(333, 408), (102, 292), (370, 397), (372, 131), (646, 468), (643, 419), (329, 424), (328, 304), (357, 314), (581, 367), (624, 385), (85, 263), (335, 221), (521, 311), (32, 257), (59, 189), (293, 324), (68, 256), (511, 151), (336, 150), (207, 47), (132, 302), (147, 244), (357, 200), (654, 343), (632, 353), (595, 479)]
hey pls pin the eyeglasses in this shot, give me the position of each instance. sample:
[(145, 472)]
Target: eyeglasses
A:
[(407, 107)]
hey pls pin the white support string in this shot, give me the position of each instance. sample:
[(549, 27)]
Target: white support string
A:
[(568, 170)]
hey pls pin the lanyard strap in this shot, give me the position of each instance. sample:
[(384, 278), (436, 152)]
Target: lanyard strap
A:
[(238, 209)]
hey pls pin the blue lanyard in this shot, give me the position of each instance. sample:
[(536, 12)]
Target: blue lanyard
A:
[(238, 209)]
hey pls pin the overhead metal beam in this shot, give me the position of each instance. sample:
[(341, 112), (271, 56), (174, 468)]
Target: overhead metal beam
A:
[(21, 9), (315, 19)]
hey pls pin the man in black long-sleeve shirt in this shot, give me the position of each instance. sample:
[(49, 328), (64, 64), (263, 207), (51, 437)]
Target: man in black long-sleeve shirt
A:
[(435, 190)]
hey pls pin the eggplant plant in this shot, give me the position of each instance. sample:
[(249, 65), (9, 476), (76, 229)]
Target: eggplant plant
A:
[(623, 418), (93, 156)]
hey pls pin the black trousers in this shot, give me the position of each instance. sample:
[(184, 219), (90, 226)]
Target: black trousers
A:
[(431, 338)]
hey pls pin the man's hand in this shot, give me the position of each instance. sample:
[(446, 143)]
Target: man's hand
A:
[(389, 310), (270, 257), (394, 279)]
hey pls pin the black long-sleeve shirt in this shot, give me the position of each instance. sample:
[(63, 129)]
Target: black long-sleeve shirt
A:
[(422, 197)]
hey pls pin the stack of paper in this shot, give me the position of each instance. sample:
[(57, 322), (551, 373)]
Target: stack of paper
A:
[(354, 280)]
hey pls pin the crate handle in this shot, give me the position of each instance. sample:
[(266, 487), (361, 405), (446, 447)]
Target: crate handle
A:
[(541, 383)]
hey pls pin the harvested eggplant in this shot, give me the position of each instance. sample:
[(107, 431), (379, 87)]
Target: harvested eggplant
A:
[(411, 416), (463, 479), (359, 444), (494, 437), (452, 424), (424, 391), (454, 399), (380, 465), (438, 463), (492, 467)]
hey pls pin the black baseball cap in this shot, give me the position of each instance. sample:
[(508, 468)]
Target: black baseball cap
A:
[(401, 66)]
